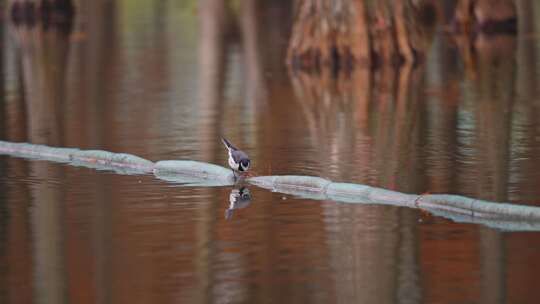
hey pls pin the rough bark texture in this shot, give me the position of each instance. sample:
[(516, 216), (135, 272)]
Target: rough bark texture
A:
[(329, 33), (342, 34)]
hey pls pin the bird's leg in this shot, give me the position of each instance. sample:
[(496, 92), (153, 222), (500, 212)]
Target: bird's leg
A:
[(229, 214)]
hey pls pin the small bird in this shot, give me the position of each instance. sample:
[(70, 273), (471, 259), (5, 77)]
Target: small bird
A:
[(238, 160), (238, 199)]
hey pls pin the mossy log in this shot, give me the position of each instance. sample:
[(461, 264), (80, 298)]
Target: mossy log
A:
[(192, 173)]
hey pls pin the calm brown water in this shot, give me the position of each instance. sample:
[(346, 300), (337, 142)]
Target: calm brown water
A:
[(164, 80)]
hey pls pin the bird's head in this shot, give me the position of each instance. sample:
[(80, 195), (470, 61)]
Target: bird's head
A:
[(244, 164)]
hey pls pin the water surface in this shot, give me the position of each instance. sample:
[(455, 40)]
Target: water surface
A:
[(164, 80)]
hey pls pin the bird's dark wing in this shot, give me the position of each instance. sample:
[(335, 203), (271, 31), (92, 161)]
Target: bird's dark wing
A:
[(238, 155), (228, 144)]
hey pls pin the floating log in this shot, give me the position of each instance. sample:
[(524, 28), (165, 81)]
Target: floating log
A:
[(121, 163), (505, 216), (194, 173)]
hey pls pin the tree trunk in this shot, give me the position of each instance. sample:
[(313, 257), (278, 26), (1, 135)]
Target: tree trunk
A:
[(494, 16), (329, 33), (343, 34), (489, 16), (56, 13)]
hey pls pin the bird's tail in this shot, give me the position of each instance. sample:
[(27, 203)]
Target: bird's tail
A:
[(227, 144)]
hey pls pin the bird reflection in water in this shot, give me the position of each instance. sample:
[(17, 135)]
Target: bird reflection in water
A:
[(238, 199)]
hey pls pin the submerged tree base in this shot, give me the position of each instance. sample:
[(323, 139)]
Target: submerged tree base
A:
[(344, 34)]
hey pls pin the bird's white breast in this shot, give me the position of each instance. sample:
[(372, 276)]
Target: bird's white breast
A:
[(233, 164)]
